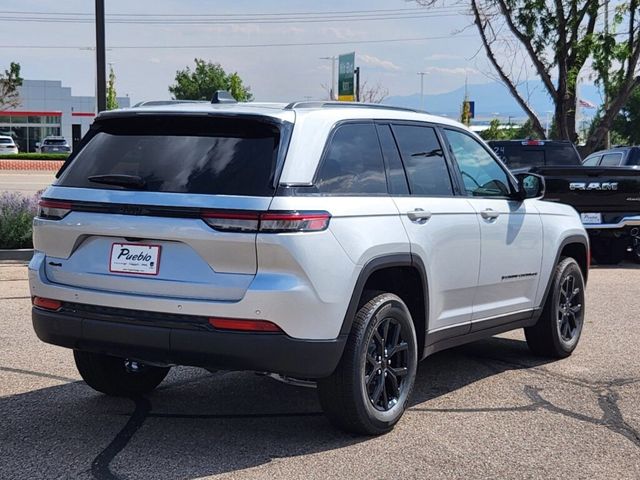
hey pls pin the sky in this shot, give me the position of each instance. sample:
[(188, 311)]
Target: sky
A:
[(448, 49)]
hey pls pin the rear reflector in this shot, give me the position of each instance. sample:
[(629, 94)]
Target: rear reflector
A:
[(244, 325), (46, 303), (53, 209), (267, 222)]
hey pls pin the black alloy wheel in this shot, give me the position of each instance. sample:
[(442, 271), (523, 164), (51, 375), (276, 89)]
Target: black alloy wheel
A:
[(386, 365), (569, 312)]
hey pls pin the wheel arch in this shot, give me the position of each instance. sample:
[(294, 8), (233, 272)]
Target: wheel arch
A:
[(396, 274), (577, 247)]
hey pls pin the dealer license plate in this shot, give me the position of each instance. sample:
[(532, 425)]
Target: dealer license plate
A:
[(134, 258), (591, 218)]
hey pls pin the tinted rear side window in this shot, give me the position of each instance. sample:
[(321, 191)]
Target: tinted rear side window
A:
[(592, 161), (516, 155), (352, 163), (634, 157), (561, 155), (225, 156), (611, 160), (423, 160), (519, 157)]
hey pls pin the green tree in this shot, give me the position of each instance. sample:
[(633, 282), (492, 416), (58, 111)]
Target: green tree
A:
[(496, 132), (205, 79), (557, 39), (465, 115), (112, 101), (626, 126), (9, 83)]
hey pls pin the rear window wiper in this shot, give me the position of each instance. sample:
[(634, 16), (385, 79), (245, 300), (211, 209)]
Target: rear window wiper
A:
[(127, 181)]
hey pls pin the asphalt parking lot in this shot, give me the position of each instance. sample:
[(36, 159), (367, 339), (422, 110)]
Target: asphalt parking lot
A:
[(486, 410)]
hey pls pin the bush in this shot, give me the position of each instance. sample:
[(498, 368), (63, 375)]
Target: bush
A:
[(16, 217), (34, 156)]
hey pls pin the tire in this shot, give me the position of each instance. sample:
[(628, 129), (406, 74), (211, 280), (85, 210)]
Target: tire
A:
[(361, 395), (118, 377), (609, 251), (558, 330), (635, 249)]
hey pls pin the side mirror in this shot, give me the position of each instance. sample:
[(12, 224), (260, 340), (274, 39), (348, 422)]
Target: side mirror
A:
[(530, 185)]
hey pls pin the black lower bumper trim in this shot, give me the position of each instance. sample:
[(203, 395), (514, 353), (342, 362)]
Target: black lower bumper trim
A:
[(277, 353)]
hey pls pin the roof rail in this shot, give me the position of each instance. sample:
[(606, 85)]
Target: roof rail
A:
[(333, 104)]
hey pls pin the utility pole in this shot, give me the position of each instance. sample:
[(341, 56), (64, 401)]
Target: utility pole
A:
[(332, 92), (357, 75), (422, 74), (101, 70), (607, 138)]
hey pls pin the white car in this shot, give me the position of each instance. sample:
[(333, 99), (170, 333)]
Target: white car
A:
[(335, 242), (7, 145)]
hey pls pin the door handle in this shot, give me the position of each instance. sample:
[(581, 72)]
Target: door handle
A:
[(489, 214), (419, 214)]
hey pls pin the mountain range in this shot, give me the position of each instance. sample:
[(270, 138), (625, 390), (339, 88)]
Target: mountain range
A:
[(494, 100)]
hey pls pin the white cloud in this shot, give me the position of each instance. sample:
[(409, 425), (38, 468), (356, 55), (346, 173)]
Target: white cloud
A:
[(246, 28), (443, 56), (378, 62), (342, 33), (458, 71)]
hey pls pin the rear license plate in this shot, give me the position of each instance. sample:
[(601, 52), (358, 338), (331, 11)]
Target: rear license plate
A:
[(591, 218), (134, 258)]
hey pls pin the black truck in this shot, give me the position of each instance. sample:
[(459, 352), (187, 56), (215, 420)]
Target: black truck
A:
[(607, 198)]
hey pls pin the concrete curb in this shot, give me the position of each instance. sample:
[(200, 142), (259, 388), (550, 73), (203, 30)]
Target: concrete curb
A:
[(19, 254)]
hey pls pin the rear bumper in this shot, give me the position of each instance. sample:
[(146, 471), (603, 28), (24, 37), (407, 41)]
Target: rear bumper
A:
[(277, 353), (624, 222)]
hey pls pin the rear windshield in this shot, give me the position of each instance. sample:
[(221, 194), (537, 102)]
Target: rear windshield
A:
[(6, 140), (517, 155), (218, 156), (56, 141)]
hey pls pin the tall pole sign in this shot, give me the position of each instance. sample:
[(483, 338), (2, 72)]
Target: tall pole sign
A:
[(101, 69), (346, 84)]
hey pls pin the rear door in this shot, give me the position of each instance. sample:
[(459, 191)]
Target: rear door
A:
[(442, 226), (163, 206), (510, 232)]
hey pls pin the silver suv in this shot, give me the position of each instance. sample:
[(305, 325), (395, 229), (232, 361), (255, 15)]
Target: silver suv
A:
[(332, 242)]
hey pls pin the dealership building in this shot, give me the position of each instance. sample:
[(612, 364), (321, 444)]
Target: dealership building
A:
[(47, 108)]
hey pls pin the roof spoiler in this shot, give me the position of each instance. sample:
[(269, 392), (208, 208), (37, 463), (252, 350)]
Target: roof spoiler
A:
[(222, 96)]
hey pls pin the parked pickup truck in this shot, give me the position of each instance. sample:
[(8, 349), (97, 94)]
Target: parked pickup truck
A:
[(607, 198)]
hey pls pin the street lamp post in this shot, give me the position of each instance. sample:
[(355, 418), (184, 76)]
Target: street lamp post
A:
[(333, 75), (422, 74), (101, 70)]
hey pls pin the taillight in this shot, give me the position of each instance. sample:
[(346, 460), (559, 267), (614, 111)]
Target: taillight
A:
[(53, 209), (232, 222), (46, 303), (273, 222), (244, 325), (267, 222), (533, 142)]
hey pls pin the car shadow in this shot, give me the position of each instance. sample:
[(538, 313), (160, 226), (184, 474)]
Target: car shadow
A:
[(199, 423)]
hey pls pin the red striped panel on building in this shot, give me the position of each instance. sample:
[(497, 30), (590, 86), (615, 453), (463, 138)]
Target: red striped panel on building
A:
[(31, 114)]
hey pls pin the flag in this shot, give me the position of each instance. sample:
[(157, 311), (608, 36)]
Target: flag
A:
[(586, 104)]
